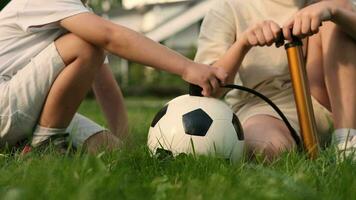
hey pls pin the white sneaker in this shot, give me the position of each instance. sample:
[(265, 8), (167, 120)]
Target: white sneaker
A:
[(345, 141)]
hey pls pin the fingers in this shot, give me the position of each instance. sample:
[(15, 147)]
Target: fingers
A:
[(305, 26), (262, 34), (214, 83), (307, 21), (315, 24), (260, 37), (268, 34), (217, 78), (276, 30), (221, 75), (252, 39), (287, 29), (207, 77), (207, 89), (297, 26)]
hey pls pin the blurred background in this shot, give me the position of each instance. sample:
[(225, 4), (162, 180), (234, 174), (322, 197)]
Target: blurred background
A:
[(174, 23)]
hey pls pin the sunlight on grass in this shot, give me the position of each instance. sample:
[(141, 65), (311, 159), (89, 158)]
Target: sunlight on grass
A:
[(130, 173)]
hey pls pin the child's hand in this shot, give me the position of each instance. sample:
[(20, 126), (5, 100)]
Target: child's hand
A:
[(307, 21), (207, 77), (261, 34)]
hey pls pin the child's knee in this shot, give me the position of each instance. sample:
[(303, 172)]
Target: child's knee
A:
[(72, 47), (266, 140), (101, 141), (268, 148)]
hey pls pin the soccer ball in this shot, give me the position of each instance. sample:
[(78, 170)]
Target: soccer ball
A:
[(199, 126)]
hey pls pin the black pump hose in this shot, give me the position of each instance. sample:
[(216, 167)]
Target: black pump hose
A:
[(274, 106), (195, 90)]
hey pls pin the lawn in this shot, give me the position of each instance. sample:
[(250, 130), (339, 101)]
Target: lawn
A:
[(130, 173)]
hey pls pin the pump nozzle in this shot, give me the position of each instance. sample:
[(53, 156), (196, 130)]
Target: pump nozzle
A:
[(195, 90)]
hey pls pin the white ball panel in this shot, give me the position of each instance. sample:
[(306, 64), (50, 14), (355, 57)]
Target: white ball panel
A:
[(237, 151), (172, 128), (200, 146), (223, 134), (183, 104), (216, 109)]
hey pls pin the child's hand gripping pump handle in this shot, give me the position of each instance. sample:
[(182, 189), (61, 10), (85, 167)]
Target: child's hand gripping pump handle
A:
[(302, 95)]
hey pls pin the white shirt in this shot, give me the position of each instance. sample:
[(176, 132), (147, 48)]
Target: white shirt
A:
[(29, 26)]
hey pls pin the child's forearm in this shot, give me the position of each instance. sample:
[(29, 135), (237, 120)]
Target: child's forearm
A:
[(346, 19), (125, 43), (232, 59), (135, 47), (231, 62)]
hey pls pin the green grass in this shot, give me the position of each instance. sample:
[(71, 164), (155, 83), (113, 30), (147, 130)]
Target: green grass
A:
[(130, 173)]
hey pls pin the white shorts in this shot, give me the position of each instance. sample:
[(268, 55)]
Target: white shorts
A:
[(23, 95), (280, 91)]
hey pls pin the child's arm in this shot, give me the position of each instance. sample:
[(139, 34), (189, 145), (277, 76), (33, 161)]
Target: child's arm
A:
[(131, 45), (232, 59), (307, 21), (111, 101), (261, 34)]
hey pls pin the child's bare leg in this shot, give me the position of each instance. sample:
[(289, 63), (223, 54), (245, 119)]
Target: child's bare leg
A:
[(267, 135), (111, 101), (339, 64), (70, 87), (101, 141), (316, 71), (72, 84), (331, 65)]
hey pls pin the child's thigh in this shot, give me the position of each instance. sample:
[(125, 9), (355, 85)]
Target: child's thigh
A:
[(28, 89)]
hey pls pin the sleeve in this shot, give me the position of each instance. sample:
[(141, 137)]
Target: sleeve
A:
[(217, 34), (38, 13)]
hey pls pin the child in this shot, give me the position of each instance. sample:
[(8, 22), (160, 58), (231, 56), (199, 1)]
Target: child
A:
[(232, 27), (52, 53)]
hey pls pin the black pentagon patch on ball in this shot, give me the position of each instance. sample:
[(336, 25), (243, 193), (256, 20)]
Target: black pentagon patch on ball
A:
[(159, 116), (197, 123), (238, 128)]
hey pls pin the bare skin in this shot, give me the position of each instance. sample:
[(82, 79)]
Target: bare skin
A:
[(274, 140), (130, 45), (111, 101), (330, 63), (82, 61), (331, 59), (83, 52), (83, 66)]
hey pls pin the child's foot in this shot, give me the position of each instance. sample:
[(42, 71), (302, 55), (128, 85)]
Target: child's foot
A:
[(345, 141), (58, 138)]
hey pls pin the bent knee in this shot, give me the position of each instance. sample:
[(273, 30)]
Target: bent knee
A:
[(72, 47), (267, 136), (268, 148)]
